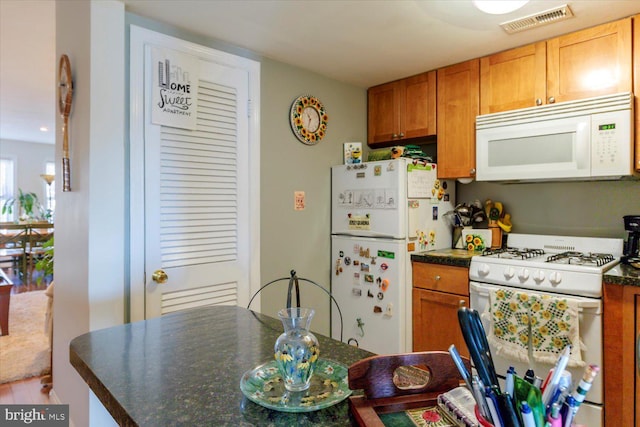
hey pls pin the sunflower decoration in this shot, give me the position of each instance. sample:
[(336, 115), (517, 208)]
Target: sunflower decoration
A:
[(475, 242), (308, 119)]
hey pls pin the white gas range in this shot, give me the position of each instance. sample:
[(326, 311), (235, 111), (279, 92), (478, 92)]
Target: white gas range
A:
[(557, 266), (562, 264)]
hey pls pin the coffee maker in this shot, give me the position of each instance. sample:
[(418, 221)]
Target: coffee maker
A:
[(631, 253)]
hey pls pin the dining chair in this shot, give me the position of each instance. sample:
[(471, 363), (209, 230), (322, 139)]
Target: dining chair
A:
[(13, 247), (39, 234)]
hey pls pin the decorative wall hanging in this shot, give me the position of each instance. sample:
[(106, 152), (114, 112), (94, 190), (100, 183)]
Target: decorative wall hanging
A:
[(65, 97)]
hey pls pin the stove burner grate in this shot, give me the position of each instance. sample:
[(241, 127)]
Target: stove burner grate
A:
[(513, 253), (579, 258)]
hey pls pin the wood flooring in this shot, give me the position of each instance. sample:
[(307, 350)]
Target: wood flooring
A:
[(26, 392)]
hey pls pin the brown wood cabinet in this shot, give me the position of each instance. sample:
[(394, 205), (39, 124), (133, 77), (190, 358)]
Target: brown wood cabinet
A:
[(513, 79), (636, 84), (458, 106), (621, 372), (402, 109), (438, 292), (592, 62)]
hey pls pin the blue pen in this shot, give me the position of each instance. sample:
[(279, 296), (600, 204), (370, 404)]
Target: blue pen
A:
[(527, 415), (570, 405), (556, 398), (453, 351), (492, 402), (509, 387)]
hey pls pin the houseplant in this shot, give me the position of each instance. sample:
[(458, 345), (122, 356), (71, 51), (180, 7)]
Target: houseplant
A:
[(28, 206), (45, 264)]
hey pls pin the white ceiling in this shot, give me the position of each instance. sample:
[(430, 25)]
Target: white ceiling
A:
[(361, 42)]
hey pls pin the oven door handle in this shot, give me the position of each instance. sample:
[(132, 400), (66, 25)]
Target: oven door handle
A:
[(582, 304)]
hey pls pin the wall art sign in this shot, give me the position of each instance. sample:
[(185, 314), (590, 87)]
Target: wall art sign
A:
[(174, 99)]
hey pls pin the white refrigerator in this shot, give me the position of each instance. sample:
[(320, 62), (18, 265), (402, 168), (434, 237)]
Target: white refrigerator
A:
[(381, 212)]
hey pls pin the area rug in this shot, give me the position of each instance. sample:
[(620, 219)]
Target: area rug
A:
[(25, 352)]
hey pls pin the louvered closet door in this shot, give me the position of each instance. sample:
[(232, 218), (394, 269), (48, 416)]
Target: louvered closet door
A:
[(196, 199)]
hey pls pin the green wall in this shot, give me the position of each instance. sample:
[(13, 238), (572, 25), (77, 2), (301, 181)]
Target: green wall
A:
[(591, 209), (292, 239)]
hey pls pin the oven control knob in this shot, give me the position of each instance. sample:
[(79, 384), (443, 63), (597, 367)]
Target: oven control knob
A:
[(523, 275), (555, 278), (509, 272), (538, 276), (483, 270)]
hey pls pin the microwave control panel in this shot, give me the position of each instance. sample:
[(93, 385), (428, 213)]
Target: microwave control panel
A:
[(610, 143)]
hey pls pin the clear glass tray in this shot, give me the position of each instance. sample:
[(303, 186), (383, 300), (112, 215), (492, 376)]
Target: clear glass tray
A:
[(329, 385)]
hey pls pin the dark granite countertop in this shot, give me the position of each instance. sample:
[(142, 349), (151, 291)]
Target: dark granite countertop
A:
[(185, 368), (453, 257), (623, 274)]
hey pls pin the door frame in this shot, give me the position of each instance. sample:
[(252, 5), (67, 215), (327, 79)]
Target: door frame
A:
[(139, 37)]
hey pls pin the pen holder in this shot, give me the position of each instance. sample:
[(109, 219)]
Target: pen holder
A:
[(480, 418)]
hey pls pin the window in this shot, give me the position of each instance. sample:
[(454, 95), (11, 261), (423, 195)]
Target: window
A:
[(50, 189), (6, 186)]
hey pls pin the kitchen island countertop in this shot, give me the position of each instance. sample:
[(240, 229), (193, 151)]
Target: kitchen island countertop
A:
[(185, 368)]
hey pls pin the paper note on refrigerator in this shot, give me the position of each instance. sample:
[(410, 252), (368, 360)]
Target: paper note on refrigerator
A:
[(420, 181)]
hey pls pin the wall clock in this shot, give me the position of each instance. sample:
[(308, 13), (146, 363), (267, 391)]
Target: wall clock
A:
[(308, 119), (65, 97)]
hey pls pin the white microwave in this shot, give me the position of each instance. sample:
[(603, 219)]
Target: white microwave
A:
[(581, 140)]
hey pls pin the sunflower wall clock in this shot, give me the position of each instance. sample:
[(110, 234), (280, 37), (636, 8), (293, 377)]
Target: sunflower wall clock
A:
[(308, 119)]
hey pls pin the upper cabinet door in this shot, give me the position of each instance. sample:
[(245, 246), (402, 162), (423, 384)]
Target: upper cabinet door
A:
[(458, 106), (401, 110), (418, 106), (383, 119), (591, 62), (513, 79)]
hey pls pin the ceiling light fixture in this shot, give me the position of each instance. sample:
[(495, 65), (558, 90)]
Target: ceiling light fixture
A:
[(499, 7)]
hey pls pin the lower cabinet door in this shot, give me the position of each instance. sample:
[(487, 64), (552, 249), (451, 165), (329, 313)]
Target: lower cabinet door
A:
[(435, 321)]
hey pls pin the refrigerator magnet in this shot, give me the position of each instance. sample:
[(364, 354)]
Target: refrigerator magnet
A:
[(385, 285), (357, 292), (377, 309)]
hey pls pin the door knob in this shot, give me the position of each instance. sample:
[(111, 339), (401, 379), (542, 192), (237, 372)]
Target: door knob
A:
[(159, 276)]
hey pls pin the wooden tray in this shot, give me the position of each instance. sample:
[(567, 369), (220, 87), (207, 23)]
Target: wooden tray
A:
[(394, 383)]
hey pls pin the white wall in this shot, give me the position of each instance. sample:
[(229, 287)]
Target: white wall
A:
[(29, 159), (90, 226)]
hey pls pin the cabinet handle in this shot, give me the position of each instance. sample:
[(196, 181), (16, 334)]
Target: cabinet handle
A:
[(472, 171), (437, 277), (538, 101), (394, 136), (551, 100), (462, 303), (401, 134)]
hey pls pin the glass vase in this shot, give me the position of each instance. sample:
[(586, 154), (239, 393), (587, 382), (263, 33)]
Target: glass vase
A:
[(296, 349)]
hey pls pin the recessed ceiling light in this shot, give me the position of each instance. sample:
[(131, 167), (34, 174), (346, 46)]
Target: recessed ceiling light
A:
[(499, 7), (44, 129)]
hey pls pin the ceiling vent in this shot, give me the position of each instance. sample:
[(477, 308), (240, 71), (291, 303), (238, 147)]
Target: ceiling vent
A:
[(556, 14)]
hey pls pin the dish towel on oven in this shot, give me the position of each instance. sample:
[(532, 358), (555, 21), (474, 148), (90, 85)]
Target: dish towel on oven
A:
[(543, 324)]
